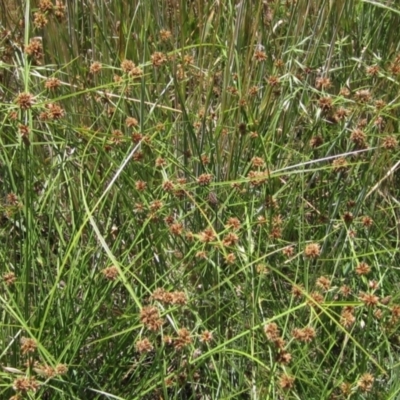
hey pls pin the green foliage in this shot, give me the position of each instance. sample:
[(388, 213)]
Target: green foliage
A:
[(199, 200)]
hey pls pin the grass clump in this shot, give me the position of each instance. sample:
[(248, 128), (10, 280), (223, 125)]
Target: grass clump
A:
[(199, 200)]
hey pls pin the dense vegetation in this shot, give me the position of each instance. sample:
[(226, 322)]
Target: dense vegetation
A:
[(199, 199)]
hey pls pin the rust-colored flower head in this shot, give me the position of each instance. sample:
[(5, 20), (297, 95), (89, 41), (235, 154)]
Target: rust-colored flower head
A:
[(59, 10), (150, 317), (258, 178), (52, 83), (24, 101), (25, 385), (325, 103), (144, 346), (372, 70), (286, 382), (347, 317), (315, 299), (28, 345), (323, 283), (323, 83), (230, 258), (260, 55), (273, 81), (345, 290), (165, 35), (366, 382), (369, 299), (54, 111), (358, 137), (316, 141), (9, 278), (389, 143), (339, 164), (257, 162), (183, 339), (230, 239), (298, 291), (305, 335), (367, 221), (140, 185), (363, 96), (35, 49), (312, 250), (283, 357), (233, 223), (40, 20), (127, 66), (272, 331), (158, 59), (206, 337), (131, 122), (204, 179), (95, 68), (46, 6), (363, 269), (110, 273), (345, 92), (207, 236), (61, 369)]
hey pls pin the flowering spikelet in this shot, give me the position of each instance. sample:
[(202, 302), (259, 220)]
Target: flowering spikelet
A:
[(158, 59), (230, 239), (40, 20), (183, 339), (339, 164), (110, 273), (206, 337), (306, 334), (52, 83), (323, 283), (272, 331), (312, 250), (95, 67), (24, 385), (286, 382), (366, 382), (204, 179), (233, 223), (35, 49), (144, 346), (24, 101), (363, 269), (369, 299), (207, 235), (9, 278), (150, 317), (28, 345)]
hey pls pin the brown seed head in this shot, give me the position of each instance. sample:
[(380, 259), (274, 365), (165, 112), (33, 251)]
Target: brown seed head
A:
[(28, 345), (24, 101), (144, 346), (363, 269), (312, 250), (95, 67), (150, 317), (183, 339), (366, 382), (110, 273), (204, 179), (9, 278), (286, 382), (158, 59)]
